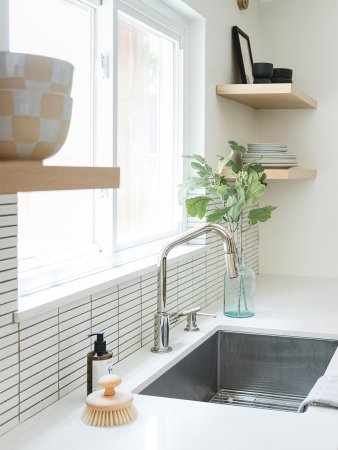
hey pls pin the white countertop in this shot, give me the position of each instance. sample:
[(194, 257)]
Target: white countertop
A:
[(284, 305)]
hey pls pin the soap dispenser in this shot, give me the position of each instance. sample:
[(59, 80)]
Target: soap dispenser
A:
[(99, 362)]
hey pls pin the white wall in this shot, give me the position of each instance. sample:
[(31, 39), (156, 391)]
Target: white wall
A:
[(4, 41), (301, 239), (224, 120)]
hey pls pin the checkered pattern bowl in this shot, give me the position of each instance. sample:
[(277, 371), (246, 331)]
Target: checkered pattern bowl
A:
[(25, 71), (33, 124)]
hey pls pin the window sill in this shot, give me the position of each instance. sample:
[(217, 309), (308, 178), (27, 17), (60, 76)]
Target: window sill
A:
[(33, 305)]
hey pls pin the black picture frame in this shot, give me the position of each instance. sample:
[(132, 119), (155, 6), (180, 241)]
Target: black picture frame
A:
[(244, 54)]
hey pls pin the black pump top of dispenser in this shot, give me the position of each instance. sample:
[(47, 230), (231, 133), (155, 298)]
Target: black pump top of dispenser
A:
[(100, 346)]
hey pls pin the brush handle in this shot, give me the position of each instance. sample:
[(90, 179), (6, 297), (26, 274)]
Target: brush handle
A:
[(109, 400), (109, 382)]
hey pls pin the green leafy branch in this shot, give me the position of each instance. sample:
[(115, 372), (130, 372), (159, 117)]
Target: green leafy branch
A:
[(242, 185)]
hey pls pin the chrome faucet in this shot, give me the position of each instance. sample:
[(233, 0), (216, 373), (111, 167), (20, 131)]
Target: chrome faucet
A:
[(162, 318)]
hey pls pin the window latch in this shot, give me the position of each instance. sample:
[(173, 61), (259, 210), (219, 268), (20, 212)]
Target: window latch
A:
[(105, 65)]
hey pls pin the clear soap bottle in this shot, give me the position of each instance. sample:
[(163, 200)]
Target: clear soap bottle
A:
[(99, 362)]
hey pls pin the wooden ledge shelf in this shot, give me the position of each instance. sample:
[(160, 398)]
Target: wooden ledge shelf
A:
[(293, 173), (267, 96), (28, 176)]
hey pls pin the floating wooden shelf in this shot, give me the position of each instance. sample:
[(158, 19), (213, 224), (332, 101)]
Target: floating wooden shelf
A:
[(267, 96), (27, 176), (293, 173)]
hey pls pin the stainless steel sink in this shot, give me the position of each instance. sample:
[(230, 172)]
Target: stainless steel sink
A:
[(255, 370)]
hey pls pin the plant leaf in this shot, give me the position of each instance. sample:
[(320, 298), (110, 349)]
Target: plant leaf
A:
[(260, 214), (262, 178), (218, 215), (236, 147), (237, 204), (189, 185), (254, 188), (234, 166), (195, 157), (223, 191), (203, 170), (222, 162), (197, 206)]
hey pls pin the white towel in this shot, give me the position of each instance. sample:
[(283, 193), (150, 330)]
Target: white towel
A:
[(324, 392)]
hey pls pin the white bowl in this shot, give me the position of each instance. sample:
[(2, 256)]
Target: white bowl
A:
[(25, 71), (33, 124)]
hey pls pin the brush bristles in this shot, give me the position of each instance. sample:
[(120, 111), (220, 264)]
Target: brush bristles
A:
[(109, 418)]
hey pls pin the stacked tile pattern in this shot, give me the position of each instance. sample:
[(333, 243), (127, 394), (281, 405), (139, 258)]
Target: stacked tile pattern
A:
[(43, 359), (9, 336)]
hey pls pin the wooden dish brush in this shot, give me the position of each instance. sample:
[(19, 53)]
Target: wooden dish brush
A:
[(107, 408)]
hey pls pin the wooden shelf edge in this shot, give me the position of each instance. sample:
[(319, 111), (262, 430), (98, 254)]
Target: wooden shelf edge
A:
[(22, 176), (293, 173), (267, 96)]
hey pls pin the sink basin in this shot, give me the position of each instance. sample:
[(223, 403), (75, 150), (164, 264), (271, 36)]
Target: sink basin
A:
[(255, 370)]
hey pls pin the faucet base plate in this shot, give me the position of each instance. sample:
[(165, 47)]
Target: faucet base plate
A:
[(161, 350)]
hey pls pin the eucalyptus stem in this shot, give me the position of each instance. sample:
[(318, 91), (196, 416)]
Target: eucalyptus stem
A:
[(241, 286)]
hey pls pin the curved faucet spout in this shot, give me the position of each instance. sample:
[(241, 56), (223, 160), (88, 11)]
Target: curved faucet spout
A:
[(161, 336)]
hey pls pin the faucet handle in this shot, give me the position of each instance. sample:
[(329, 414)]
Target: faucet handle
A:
[(192, 319), (175, 316), (191, 315), (206, 314), (188, 312)]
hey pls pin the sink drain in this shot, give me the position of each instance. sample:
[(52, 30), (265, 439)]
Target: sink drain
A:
[(265, 400)]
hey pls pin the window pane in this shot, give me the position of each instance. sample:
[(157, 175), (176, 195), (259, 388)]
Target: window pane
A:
[(146, 134), (57, 221), (46, 222)]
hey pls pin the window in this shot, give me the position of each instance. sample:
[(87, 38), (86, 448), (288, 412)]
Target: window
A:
[(148, 129), (62, 233), (53, 225)]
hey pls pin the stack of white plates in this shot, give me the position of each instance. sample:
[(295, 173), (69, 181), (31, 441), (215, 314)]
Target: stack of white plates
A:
[(272, 155)]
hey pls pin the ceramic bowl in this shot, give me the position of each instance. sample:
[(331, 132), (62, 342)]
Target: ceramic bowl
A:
[(262, 80), (281, 80), (33, 124), (25, 71), (280, 72), (262, 70)]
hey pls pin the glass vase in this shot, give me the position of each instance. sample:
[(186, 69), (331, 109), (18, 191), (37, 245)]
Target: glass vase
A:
[(239, 293)]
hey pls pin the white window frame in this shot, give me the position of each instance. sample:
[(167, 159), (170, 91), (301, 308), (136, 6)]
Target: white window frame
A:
[(172, 28), (107, 14), (42, 272)]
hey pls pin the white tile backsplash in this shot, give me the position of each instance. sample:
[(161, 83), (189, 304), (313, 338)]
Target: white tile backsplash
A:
[(7, 373), (7, 286), (39, 376), (6, 319), (35, 356), (43, 381), (44, 358), (51, 363), (30, 408), (7, 242), (9, 337), (73, 352), (9, 424), (7, 414), (10, 389), (9, 379), (8, 221), (9, 231)]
